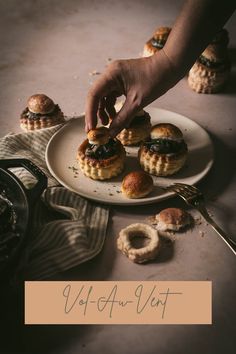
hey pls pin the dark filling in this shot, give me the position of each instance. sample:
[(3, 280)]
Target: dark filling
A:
[(208, 63), (27, 113), (100, 152), (9, 237), (139, 120), (157, 43), (165, 146)]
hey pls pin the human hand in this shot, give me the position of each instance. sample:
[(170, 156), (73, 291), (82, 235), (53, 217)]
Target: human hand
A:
[(140, 80)]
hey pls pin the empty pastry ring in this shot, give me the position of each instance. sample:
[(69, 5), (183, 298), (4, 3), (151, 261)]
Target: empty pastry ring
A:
[(147, 235)]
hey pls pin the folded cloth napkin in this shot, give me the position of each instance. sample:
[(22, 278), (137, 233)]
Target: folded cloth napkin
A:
[(67, 229)]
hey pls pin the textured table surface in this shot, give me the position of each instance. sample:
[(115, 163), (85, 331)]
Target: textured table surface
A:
[(52, 47)]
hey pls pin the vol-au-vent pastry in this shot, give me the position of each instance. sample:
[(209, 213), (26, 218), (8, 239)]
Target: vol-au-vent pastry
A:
[(41, 112), (137, 184), (172, 219), (137, 131), (101, 157), (211, 70), (139, 242), (165, 153), (157, 41)]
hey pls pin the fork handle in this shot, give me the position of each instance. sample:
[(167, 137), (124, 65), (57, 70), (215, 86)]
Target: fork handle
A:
[(230, 243)]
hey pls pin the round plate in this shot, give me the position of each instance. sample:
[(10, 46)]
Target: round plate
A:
[(62, 150)]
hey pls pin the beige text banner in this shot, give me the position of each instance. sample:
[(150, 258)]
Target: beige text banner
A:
[(118, 302)]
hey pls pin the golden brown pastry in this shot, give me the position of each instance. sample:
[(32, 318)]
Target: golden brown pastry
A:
[(172, 219), (211, 71), (41, 112), (99, 136), (137, 131), (149, 240), (137, 184), (157, 41), (101, 157), (165, 152)]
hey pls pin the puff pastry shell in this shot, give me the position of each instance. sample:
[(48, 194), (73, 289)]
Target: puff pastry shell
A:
[(161, 164), (137, 131), (101, 169)]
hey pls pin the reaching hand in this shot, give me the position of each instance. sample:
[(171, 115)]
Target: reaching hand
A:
[(140, 80), (145, 79)]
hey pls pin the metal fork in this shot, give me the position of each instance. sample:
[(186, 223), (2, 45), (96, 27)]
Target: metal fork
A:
[(194, 197)]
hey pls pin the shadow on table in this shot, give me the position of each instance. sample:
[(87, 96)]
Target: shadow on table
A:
[(19, 338), (221, 176), (167, 250), (232, 55), (223, 170), (230, 87)]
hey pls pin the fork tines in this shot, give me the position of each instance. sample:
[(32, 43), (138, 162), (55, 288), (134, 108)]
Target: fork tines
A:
[(184, 189)]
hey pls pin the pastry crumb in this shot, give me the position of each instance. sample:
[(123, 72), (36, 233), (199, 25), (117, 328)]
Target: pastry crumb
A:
[(198, 220), (94, 72)]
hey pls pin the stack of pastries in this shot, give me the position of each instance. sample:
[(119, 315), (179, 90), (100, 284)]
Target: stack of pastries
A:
[(41, 112), (100, 157), (157, 41), (137, 131), (165, 153), (211, 71)]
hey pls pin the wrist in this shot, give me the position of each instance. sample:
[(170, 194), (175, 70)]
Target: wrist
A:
[(162, 64)]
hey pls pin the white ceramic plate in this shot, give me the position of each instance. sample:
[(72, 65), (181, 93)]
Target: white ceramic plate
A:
[(62, 150)]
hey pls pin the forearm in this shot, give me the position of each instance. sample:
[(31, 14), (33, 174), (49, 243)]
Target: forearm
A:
[(145, 79), (194, 29)]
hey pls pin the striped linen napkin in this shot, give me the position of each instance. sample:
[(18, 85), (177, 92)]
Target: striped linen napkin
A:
[(67, 230)]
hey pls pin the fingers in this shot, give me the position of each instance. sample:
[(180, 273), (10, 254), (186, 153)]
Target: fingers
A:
[(106, 108), (102, 96), (95, 102), (92, 104), (110, 104), (101, 114), (98, 106), (123, 118), (100, 100)]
